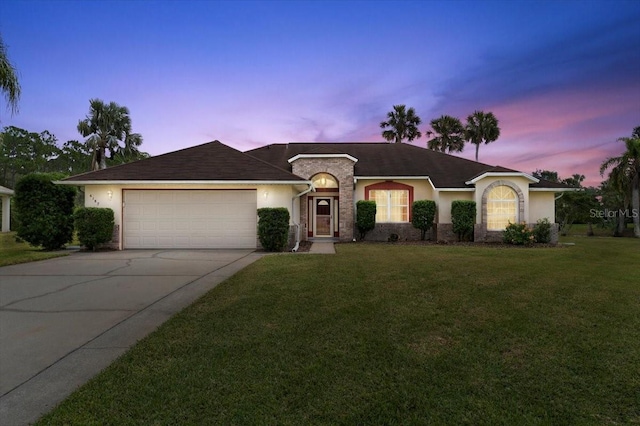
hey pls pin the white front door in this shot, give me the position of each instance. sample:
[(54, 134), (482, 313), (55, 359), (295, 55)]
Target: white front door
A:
[(323, 217)]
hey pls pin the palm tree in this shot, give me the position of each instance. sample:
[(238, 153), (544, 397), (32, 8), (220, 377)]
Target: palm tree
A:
[(106, 126), (403, 123), (481, 128), (450, 133), (130, 152), (625, 175), (9, 84)]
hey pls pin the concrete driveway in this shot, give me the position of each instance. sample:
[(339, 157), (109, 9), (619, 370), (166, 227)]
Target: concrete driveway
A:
[(63, 320)]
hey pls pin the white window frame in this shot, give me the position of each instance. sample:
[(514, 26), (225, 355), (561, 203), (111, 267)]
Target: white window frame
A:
[(493, 217), (389, 206)]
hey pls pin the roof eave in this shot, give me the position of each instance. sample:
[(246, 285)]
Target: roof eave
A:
[(554, 189), (502, 174), (299, 156), (182, 182)]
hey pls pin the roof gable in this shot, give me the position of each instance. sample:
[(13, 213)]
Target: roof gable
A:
[(213, 161)]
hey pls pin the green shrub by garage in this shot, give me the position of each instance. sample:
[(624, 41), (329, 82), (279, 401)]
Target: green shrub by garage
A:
[(44, 210), (463, 218), (94, 226), (273, 228)]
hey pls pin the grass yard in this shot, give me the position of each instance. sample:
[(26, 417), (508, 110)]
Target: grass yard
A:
[(12, 252), (393, 334)]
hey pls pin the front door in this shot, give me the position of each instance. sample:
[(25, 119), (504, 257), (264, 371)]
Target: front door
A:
[(323, 217)]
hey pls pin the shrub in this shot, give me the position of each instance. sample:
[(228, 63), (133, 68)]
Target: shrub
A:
[(542, 231), (365, 217), (94, 226), (423, 213), (463, 218), (44, 211), (518, 234), (273, 228)]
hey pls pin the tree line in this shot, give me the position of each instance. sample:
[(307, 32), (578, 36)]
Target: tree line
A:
[(448, 135), (614, 203), (109, 141)]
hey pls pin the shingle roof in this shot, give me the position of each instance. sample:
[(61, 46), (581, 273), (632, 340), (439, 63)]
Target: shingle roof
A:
[(211, 161), (389, 159), (215, 161)]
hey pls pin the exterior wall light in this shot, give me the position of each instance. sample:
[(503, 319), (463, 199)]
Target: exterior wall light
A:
[(110, 194)]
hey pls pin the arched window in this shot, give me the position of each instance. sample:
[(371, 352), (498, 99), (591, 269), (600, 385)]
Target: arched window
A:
[(502, 208), (324, 181)]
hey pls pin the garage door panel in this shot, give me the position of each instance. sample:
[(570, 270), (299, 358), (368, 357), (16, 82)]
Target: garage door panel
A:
[(189, 219)]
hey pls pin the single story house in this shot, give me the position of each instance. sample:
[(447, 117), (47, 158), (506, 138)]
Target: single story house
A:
[(5, 195), (207, 196)]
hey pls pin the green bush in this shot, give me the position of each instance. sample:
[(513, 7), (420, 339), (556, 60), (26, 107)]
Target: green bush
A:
[(273, 228), (423, 213), (463, 217), (44, 211), (518, 234), (365, 217), (542, 231), (94, 226)]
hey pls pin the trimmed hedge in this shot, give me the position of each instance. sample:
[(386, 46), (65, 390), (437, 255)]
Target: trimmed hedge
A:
[(463, 218), (94, 226), (44, 211), (273, 228), (365, 217), (423, 213)]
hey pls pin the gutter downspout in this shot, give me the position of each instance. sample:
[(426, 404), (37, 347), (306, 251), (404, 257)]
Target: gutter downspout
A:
[(297, 225), (558, 197)]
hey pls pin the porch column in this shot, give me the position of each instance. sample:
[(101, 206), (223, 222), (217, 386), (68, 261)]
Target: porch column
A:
[(6, 213)]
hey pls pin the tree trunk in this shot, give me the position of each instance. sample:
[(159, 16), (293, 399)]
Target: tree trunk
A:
[(477, 149), (620, 226)]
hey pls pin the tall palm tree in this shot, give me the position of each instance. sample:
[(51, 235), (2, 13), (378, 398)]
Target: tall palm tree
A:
[(131, 150), (403, 123), (9, 85), (106, 126), (481, 128), (625, 175), (450, 134)]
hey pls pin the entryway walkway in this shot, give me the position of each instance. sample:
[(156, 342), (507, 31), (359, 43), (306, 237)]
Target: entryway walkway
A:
[(322, 247)]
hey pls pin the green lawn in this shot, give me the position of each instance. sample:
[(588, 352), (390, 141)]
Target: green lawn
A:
[(12, 252), (393, 334)]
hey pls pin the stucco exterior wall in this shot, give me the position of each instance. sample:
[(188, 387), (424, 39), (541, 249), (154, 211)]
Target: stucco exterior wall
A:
[(542, 205), (422, 189), (444, 200), (267, 196)]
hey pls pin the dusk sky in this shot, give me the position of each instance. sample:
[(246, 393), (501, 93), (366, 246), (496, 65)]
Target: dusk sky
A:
[(562, 77)]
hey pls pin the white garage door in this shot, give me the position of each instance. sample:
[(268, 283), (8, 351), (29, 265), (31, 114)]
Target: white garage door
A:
[(189, 219)]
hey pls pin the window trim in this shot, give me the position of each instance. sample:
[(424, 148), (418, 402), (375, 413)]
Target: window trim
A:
[(390, 186)]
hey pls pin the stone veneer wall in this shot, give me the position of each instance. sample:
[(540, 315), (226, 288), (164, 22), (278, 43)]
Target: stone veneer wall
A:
[(342, 170), (405, 232), (444, 232)]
